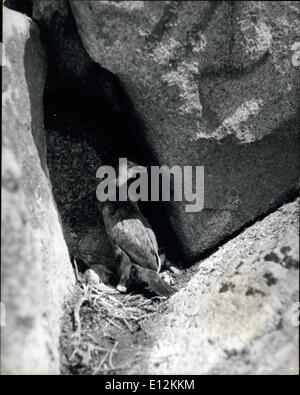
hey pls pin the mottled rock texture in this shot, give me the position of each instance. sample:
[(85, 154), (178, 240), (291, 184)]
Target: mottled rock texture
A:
[(72, 155), (86, 116), (73, 162), (215, 86), (239, 314), (36, 272)]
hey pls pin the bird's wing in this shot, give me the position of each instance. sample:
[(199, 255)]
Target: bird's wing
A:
[(133, 237), (153, 281)]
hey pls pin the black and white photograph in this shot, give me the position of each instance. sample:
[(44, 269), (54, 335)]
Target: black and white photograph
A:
[(150, 190)]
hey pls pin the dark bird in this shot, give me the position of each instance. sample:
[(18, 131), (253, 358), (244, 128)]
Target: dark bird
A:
[(133, 240)]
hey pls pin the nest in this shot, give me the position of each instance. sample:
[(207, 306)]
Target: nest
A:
[(119, 314)]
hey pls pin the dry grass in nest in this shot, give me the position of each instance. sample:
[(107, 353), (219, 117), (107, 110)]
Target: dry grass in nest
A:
[(121, 314)]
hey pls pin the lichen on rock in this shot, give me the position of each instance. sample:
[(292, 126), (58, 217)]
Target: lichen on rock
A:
[(215, 86), (236, 315)]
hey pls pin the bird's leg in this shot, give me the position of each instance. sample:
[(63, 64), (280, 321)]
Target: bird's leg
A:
[(167, 265), (167, 269), (124, 269), (174, 270)]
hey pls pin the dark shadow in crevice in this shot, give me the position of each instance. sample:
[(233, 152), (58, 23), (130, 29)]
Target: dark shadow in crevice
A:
[(86, 103), (112, 126), (23, 6), (115, 130)]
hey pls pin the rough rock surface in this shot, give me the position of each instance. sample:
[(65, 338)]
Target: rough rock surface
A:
[(86, 114), (36, 272), (73, 162), (240, 313), (76, 70), (215, 86)]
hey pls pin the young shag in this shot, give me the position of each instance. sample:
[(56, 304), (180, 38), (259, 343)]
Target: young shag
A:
[(133, 239)]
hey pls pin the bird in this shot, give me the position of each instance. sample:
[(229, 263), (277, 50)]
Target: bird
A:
[(133, 239)]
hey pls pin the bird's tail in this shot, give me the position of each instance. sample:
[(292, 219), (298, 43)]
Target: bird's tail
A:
[(153, 281)]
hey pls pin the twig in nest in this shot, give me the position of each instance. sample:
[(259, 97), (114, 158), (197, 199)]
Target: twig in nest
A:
[(112, 322), (110, 363), (76, 270), (77, 333), (128, 325), (98, 369), (86, 355), (115, 300), (151, 308), (108, 354), (132, 297), (160, 298), (141, 317)]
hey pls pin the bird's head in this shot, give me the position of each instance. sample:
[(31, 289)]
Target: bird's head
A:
[(127, 171)]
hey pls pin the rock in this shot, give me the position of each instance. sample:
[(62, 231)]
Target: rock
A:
[(63, 42), (239, 314), (87, 115), (73, 162), (215, 86), (36, 272), (23, 6), (70, 65)]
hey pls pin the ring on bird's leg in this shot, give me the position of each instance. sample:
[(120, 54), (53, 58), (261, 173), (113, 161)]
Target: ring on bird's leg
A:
[(124, 269)]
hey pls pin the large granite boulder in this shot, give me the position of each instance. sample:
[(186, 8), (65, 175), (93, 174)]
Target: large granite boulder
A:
[(240, 313), (86, 116), (36, 273), (215, 85)]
